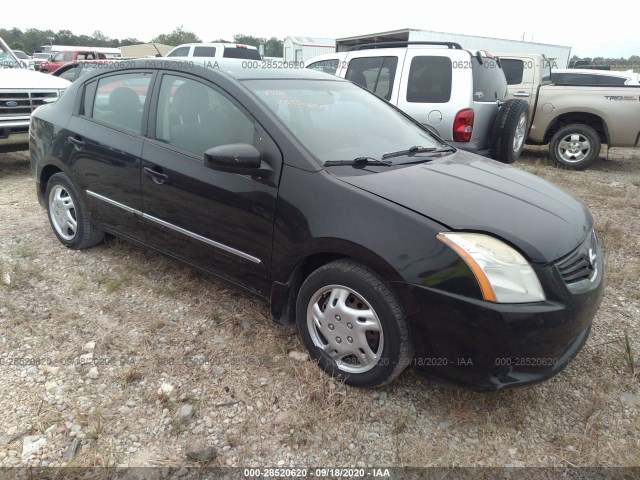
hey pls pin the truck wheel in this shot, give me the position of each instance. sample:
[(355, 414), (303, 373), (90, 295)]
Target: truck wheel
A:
[(510, 131), (575, 146)]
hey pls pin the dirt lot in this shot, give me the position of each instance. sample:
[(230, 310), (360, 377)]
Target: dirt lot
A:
[(88, 338)]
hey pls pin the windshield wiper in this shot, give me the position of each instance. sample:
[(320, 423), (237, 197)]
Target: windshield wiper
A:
[(410, 151), (356, 161)]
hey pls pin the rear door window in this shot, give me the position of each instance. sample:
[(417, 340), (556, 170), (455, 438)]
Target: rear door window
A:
[(204, 51), (429, 80), (376, 74), (489, 82)]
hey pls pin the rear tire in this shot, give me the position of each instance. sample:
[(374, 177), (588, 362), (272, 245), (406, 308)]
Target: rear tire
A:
[(510, 131), (68, 214), (575, 146)]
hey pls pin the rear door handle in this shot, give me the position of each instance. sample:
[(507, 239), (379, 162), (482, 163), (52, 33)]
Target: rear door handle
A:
[(521, 94), (77, 144), (157, 176)]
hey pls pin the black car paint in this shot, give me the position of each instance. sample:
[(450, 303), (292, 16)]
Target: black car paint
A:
[(305, 215)]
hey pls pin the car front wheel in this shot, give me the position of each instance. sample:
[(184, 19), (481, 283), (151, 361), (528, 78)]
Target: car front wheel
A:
[(353, 325), (68, 214)]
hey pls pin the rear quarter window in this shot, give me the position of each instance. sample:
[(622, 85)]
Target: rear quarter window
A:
[(489, 81), (245, 53), (429, 80), (325, 66), (513, 70), (573, 79), (179, 52)]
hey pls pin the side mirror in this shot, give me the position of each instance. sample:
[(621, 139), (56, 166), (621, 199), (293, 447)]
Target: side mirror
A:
[(240, 158)]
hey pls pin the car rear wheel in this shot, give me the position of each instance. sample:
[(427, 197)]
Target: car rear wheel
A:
[(575, 146), (68, 214), (510, 131), (353, 325)]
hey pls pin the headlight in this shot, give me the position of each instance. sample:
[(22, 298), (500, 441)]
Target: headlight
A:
[(503, 274)]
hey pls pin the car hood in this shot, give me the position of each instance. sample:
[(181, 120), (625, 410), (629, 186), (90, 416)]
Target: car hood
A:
[(468, 192), (22, 79)]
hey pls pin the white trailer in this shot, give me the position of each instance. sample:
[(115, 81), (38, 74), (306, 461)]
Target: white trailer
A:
[(301, 49), (557, 53)]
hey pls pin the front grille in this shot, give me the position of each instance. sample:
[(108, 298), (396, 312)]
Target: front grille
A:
[(14, 104), (581, 263)]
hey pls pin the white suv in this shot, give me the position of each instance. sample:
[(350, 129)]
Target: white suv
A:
[(457, 94), (216, 50)]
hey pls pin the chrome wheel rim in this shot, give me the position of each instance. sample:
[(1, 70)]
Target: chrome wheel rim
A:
[(344, 325), (574, 148), (521, 131), (62, 212)]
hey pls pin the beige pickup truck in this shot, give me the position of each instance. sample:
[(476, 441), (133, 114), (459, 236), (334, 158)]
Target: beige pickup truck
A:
[(575, 120)]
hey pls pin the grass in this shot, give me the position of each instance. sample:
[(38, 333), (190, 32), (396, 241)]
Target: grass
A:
[(628, 355), (131, 299)]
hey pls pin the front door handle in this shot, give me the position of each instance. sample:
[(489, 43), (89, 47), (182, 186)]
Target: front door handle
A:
[(77, 144), (521, 94), (157, 176)]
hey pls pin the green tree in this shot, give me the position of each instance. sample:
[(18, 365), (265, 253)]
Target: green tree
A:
[(100, 39), (177, 37), (248, 40), (274, 47)]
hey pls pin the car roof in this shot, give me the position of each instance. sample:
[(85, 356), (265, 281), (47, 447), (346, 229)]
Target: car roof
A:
[(238, 69)]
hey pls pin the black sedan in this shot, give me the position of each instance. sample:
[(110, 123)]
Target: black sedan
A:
[(386, 246)]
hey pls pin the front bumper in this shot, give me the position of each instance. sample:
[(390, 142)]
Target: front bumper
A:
[(489, 346), (14, 133)]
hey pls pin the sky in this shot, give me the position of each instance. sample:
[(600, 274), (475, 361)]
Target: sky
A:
[(608, 31)]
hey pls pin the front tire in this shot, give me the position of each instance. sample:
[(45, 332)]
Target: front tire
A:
[(575, 146), (353, 325), (68, 214)]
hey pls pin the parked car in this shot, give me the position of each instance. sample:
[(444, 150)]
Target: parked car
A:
[(418, 254), (457, 94), (24, 59), (38, 58), (21, 92), (61, 58), (575, 120), (216, 50), (572, 76)]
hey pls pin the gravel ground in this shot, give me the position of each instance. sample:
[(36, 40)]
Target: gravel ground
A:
[(117, 356)]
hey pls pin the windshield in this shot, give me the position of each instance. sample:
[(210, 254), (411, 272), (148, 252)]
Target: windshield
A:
[(337, 120)]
